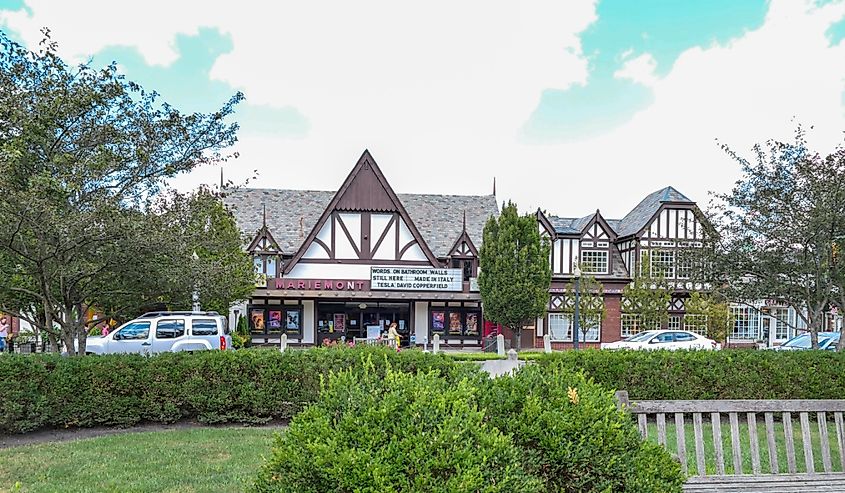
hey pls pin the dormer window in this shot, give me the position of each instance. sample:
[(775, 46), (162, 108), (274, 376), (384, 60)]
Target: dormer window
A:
[(594, 261), (266, 264)]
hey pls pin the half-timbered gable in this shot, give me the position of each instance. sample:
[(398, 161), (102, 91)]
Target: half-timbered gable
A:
[(463, 255), (266, 253), (364, 224)]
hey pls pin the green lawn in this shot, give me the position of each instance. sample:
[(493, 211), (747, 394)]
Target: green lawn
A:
[(192, 460), (780, 440)]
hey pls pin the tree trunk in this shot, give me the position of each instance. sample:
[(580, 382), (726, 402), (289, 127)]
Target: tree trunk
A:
[(517, 332)]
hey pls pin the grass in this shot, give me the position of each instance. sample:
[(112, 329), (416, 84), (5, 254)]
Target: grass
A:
[(192, 460), (745, 445)]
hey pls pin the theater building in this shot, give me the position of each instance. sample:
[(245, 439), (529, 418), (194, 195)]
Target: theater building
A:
[(342, 265)]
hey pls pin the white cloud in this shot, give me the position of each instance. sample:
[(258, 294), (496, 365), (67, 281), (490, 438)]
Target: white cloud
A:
[(639, 69), (438, 91)]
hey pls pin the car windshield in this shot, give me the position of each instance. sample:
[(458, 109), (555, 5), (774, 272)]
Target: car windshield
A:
[(803, 342), (641, 337)]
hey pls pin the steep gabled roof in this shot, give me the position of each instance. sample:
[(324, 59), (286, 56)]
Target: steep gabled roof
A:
[(640, 216)]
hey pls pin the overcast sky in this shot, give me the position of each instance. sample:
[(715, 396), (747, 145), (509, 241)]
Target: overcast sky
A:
[(572, 105)]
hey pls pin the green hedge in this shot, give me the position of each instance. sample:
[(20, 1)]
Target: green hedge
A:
[(251, 386), (726, 374)]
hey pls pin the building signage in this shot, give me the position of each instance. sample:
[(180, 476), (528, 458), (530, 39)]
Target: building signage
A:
[(416, 279), (322, 284)]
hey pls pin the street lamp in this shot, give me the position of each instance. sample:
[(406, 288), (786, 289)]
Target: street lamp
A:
[(575, 324)]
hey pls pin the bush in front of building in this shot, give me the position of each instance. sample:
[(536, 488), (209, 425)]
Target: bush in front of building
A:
[(249, 386), (725, 374), (573, 436), (397, 432)]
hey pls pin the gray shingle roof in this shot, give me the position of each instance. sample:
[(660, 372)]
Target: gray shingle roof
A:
[(291, 214), (639, 215), (570, 225)]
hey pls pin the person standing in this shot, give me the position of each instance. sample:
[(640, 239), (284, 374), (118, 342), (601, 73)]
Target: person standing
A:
[(392, 335), (4, 333)]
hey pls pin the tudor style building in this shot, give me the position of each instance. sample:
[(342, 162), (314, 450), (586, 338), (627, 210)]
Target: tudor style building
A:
[(610, 250), (343, 265)]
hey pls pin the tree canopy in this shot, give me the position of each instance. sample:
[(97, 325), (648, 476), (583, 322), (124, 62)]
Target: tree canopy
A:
[(84, 156), (780, 229), (515, 270)]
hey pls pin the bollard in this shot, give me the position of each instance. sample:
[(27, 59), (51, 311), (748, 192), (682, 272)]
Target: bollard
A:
[(436, 343), (500, 345), (512, 355), (283, 343), (547, 343)]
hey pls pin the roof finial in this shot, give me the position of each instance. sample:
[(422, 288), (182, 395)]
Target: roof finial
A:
[(494, 185), (264, 218), (221, 178), (465, 220)]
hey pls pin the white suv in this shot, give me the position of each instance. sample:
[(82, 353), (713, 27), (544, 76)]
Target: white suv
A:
[(160, 332)]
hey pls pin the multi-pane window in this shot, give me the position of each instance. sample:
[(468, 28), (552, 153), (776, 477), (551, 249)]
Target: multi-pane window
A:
[(684, 266), (594, 261), (781, 322), (170, 329), (265, 264), (561, 326), (632, 325), (674, 322), (663, 263), (696, 323), (745, 323)]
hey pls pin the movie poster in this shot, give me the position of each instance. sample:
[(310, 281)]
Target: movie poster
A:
[(274, 321), (292, 321), (438, 321), (455, 326), (472, 324), (257, 317), (339, 322)]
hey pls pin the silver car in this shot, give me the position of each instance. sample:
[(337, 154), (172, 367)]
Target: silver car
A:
[(160, 332)]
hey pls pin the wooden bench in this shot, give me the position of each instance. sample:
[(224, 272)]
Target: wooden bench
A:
[(749, 475)]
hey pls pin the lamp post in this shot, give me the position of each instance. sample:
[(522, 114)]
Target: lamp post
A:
[(576, 326), (195, 296)]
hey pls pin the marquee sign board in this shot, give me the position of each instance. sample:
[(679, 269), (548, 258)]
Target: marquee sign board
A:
[(415, 279)]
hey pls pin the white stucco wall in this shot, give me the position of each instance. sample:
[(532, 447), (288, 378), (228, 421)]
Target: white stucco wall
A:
[(421, 320)]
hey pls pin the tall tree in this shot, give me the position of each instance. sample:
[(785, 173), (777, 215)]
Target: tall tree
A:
[(83, 154), (778, 229), (515, 270), (708, 313), (647, 296)]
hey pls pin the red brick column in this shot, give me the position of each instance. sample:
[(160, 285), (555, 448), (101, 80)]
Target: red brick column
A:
[(611, 324)]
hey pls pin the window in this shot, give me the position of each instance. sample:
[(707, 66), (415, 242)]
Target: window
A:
[(674, 322), (632, 325), (696, 323), (560, 327), (466, 265), (780, 322), (745, 323), (684, 266), (133, 331), (663, 338), (206, 327), (683, 337), (562, 324), (594, 261), (663, 263), (170, 329), (265, 264)]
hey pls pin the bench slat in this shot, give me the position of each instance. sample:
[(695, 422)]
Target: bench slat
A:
[(807, 443), (790, 443), (840, 438), (681, 439), (772, 445), (699, 443), (716, 425), (739, 406), (642, 421), (735, 446), (753, 442), (661, 429), (825, 441)]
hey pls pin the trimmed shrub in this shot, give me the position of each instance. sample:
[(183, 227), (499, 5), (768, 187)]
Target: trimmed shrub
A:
[(574, 437), (400, 432), (726, 374), (251, 386)]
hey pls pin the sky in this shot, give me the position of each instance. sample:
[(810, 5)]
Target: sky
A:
[(571, 105)]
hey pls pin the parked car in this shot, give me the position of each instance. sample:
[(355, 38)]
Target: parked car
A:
[(827, 341), (664, 339), (160, 332)]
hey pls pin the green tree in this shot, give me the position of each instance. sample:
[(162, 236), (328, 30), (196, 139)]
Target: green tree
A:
[(591, 310), (710, 314), (515, 270), (84, 155), (779, 227), (647, 296)]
